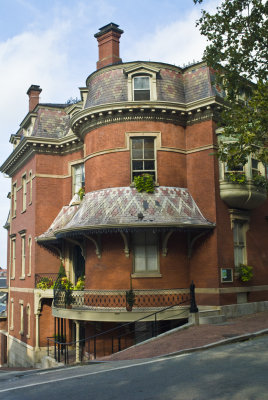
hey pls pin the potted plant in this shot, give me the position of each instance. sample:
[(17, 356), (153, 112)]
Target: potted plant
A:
[(130, 299), (245, 273)]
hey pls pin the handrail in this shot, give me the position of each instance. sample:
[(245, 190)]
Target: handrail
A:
[(63, 346)]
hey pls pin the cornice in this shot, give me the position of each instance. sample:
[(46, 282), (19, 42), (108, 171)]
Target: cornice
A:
[(176, 113), (32, 145)]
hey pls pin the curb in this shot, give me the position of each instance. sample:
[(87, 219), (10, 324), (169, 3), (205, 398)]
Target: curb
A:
[(241, 338)]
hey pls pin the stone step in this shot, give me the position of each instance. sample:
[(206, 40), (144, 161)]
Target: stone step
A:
[(212, 319)]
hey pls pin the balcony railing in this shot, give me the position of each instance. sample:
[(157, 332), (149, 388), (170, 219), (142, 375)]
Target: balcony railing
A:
[(111, 299)]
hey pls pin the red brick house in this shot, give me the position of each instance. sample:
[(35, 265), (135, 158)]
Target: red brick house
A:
[(133, 118)]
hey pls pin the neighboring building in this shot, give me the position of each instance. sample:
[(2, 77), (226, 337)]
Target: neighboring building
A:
[(133, 118), (3, 272)]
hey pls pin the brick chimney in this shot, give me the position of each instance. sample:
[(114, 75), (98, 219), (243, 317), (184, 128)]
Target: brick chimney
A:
[(108, 41), (33, 93)]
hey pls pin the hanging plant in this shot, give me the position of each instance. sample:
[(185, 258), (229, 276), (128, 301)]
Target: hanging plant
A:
[(144, 183)]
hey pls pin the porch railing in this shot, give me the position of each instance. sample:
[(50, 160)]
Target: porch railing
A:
[(124, 335), (110, 299)]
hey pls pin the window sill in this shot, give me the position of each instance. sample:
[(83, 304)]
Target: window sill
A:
[(146, 275), (22, 277), (21, 333), (29, 274), (28, 336), (12, 278), (23, 211)]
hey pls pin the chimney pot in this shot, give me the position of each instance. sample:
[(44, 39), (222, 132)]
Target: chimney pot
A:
[(33, 93), (108, 42)]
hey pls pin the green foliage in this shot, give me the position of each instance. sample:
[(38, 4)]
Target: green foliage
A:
[(59, 338), (81, 193), (237, 35), (245, 273), (260, 181), (144, 182), (80, 285), (130, 297), (45, 283), (236, 177), (61, 272)]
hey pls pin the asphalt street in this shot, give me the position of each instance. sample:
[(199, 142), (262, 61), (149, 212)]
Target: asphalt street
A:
[(236, 371)]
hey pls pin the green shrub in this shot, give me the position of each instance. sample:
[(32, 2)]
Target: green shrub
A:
[(245, 272), (80, 285), (45, 283), (236, 177), (144, 183)]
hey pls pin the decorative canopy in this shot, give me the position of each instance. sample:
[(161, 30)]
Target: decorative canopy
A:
[(125, 209)]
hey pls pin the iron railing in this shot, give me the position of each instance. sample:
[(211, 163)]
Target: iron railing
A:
[(124, 335), (110, 299)]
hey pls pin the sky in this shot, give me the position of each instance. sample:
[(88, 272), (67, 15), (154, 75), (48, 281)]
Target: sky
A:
[(51, 43)]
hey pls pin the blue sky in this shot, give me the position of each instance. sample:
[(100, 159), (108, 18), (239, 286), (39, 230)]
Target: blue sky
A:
[(51, 43)]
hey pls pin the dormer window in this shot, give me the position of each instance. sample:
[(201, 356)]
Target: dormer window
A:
[(141, 80), (141, 88)]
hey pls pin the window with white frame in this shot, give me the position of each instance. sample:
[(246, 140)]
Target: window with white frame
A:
[(141, 88), (145, 252), (28, 312), (14, 199), (23, 245), (239, 235), (24, 192), (254, 167), (31, 187), (78, 177), (30, 256), (11, 326), (13, 261), (21, 332), (143, 156)]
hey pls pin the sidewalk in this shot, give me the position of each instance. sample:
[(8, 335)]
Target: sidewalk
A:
[(195, 336)]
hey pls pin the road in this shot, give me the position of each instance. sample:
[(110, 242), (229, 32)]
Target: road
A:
[(232, 372)]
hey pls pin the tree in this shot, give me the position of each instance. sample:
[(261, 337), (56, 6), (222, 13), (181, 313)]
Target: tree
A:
[(237, 50)]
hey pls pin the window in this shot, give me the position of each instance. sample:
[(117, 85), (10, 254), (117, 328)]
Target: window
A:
[(14, 197), (145, 252), (78, 175), (239, 233), (11, 327), (31, 187), (30, 256), (22, 256), (24, 192), (13, 245), (143, 156), (21, 332), (254, 167), (28, 312), (141, 88), (141, 82)]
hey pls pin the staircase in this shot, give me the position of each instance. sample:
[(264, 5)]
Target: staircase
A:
[(211, 317)]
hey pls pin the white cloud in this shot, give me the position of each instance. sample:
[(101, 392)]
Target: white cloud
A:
[(177, 43)]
